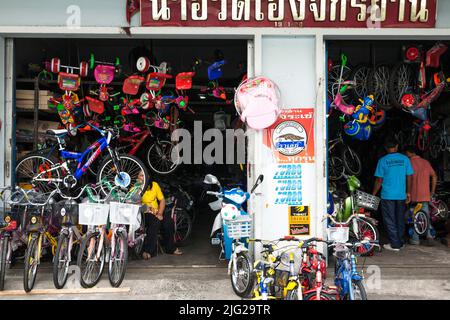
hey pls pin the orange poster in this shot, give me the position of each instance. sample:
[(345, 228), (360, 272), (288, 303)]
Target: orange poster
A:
[(291, 137)]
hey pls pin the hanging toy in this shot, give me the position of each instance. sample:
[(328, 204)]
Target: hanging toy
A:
[(360, 128)]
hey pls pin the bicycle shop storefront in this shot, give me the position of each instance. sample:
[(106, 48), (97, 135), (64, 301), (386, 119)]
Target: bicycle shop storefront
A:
[(297, 44)]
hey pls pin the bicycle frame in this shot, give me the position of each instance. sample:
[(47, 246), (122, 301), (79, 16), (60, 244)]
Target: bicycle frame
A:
[(136, 140), (347, 272)]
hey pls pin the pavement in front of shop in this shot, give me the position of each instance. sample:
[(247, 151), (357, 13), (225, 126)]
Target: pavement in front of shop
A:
[(416, 272)]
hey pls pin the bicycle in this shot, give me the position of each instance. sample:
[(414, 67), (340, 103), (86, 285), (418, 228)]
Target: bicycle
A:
[(347, 160), (159, 154), (69, 236), (418, 219), (45, 173), (39, 233), (98, 246)]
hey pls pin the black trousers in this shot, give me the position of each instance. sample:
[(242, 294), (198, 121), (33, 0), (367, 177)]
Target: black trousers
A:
[(153, 227)]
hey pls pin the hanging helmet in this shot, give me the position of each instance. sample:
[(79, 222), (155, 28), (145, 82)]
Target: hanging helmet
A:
[(258, 102)]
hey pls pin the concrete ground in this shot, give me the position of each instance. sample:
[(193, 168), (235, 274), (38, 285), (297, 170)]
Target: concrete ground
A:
[(417, 272)]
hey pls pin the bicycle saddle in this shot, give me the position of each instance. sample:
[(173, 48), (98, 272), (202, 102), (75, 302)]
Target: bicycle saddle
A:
[(58, 132)]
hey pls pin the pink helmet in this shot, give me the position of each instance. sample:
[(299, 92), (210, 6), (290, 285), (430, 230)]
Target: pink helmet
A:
[(258, 102)]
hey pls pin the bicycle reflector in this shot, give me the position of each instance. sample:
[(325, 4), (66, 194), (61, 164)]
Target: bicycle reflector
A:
[(412, 54)]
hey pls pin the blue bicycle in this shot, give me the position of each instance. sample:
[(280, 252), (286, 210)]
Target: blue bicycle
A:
[(348, 280), (43, 172)]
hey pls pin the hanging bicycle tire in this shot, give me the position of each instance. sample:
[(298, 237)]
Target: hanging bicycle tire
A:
[(333, 81), (378, 84), (336, 168), (351, 161), (401, 81), (360, 76)]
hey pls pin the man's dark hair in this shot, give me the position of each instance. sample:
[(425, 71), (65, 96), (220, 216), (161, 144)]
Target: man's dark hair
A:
[(390, 143), (411, 149)]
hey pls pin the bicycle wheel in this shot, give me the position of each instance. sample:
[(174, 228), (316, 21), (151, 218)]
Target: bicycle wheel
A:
[(333, 81), (139, 233), (293, 295), (159, 157), (323, 296), (31, 263), (360, 75), (379, 86), (118, 260), (242, 279), (401, 81), (130, 167), (61, 261), (366, 231), (183, 227), (31, 166), (335, 168), (4, 241), (441, 210), (352, 163), (359, 292), (420, 223), (91, 259)]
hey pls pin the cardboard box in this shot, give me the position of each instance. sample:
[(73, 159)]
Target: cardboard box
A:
[(43, 126)]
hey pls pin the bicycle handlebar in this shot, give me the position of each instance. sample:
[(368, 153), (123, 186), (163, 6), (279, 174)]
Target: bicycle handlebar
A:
[(29, 202)]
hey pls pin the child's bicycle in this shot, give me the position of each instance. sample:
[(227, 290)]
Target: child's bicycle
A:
[(418, 219)]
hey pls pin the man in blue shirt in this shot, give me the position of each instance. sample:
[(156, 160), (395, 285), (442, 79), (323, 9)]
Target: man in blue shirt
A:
[(394, 177)]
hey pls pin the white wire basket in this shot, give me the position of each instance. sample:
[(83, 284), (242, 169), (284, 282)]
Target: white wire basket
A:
[(124, 213), (241, 227), (93, 214), (366, 200), (338, 234)]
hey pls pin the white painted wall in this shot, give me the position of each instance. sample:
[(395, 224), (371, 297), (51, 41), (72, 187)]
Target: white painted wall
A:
[(2, 109), (291, 63)]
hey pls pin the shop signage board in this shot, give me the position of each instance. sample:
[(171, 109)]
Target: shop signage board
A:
[(286, 13), (291, 140)]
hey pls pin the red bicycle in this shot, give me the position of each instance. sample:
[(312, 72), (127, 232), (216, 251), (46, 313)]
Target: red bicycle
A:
[(159, 154)]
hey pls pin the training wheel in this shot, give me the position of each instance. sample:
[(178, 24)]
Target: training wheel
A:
[(143, 64), (55, 65), (84, 69)]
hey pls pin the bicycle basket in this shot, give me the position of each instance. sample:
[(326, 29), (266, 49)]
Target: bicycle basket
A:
[(183, 81), (93, 214), (104, 74), (338, 234), (241, 227), (155, 80), (68, 81), (124, 213), (366, 200)]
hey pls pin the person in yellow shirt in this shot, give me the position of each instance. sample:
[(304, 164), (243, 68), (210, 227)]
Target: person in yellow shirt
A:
[(156, 217)]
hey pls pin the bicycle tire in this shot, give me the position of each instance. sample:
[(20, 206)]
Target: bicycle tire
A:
[(360, 75), (244, 292), (336, 168), (292, 295), (442, 209), (26, 178), (59, 280), (32, 251), (378, 84), (420, 223), (161, 150), (365, 250), (351, 160), (182, 236), (116, 276), (3, 255), (399, 86), (359, 286), (84, 279), (133, 174), (323, 296)]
